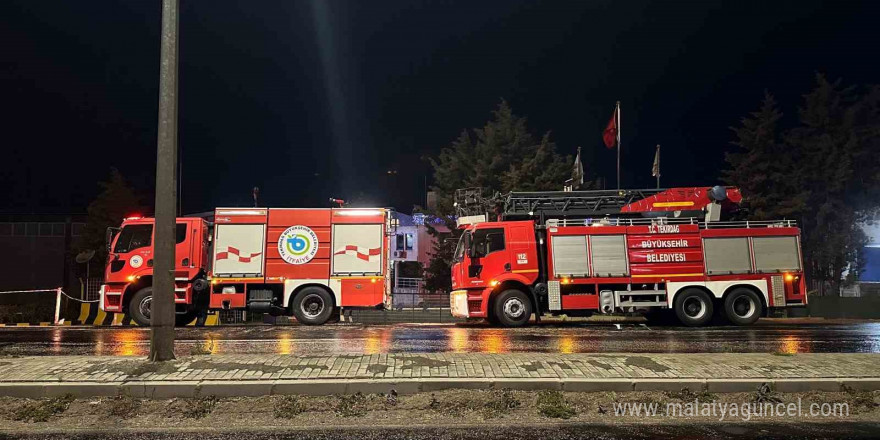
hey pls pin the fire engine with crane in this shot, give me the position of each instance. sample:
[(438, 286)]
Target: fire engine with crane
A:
[(658, 252), (308, 263)]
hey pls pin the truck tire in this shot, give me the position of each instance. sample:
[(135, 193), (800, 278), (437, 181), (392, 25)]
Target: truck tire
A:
[(693, 307), (140, 306), (512, 308), (312, 306), (743, 306)]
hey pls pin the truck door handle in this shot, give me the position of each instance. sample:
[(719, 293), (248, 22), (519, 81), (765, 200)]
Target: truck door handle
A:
[(507, 267)]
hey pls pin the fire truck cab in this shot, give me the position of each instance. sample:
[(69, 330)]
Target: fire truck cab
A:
[(645, 251)]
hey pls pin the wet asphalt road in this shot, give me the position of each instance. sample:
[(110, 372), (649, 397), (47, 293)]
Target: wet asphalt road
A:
[(501, 432), (768, 336)]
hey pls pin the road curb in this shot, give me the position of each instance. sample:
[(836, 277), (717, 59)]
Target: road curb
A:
[(242, 388)]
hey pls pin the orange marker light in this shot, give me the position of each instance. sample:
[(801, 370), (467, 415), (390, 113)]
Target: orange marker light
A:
[(789, 277), (493, 283)]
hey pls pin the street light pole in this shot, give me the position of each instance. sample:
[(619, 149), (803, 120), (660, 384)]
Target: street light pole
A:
[(162, 307)]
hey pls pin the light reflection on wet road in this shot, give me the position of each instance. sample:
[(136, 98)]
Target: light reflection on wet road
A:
[(859, 337)]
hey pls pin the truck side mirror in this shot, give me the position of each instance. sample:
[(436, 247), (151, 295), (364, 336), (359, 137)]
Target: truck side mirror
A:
[(468, 245), (108, 237)]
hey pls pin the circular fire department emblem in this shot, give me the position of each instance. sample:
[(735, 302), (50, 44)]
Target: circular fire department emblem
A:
[(136, 261), (298, 244)]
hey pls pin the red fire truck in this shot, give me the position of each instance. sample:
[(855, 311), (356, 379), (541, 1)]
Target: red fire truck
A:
[(303, 262), (632, 251)]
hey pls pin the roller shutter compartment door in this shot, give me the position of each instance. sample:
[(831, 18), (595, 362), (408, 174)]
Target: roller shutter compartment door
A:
[(609, 255), (727, 255), (776, 254), (570, 255)]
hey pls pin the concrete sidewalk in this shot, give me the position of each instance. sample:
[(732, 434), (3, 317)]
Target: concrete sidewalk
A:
[(251, 375)]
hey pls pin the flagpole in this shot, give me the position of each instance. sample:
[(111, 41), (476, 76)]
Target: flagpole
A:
[(658, 167), (617, 112)]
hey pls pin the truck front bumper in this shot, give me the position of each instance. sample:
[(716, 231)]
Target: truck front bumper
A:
[(458, 303), (469, 303)]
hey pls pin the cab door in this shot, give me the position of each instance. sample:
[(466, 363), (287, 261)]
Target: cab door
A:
[(490, 257)]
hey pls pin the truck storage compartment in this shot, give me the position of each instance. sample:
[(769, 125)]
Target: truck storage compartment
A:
[(608, 255), (239, 249), (357, 249), (727, 255), (570, 256), (776, 254)]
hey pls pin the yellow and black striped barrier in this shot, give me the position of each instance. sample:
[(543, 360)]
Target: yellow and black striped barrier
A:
[(91, 314)]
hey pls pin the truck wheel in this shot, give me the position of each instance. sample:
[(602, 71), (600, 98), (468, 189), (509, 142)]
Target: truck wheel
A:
[(512, 308), (693, 307), (743, 307), (140, 305), (312, 306)]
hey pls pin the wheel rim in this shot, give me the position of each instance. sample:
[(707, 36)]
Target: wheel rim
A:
[(514, 308), (744, 306), (145, 306), (694, 307), (312, 305)]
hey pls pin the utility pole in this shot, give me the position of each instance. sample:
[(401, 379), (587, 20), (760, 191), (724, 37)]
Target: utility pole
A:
[(162, 307)]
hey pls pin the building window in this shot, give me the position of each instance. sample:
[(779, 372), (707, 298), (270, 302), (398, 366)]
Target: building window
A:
[(405, 242)]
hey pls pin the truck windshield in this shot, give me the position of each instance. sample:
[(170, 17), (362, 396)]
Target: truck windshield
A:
[(459, 248), (134, 237), (137, 236)]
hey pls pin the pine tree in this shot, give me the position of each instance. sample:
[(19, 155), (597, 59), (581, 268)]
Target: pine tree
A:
[(837, 140), (763, 167), (501, 156), (116, 201), (822, 173)]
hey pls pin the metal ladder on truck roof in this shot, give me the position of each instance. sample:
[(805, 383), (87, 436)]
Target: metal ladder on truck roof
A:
[(550, 204), (532, 204)]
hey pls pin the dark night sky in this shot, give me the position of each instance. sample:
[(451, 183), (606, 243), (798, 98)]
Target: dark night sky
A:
[(313, 99)]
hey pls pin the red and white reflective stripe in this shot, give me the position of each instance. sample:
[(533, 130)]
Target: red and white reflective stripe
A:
[(362, 253), (237, 253)]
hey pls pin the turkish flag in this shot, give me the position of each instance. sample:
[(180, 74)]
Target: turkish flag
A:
[(610, 135)]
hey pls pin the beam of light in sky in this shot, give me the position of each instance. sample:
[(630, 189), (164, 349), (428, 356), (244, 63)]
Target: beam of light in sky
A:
[(336, 99)]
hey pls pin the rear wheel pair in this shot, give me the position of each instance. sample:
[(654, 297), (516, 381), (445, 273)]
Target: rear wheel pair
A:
[(695, 308)]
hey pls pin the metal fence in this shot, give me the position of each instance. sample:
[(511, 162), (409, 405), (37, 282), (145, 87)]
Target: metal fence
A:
[(92, 288), (410, 303)]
